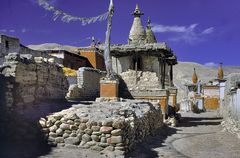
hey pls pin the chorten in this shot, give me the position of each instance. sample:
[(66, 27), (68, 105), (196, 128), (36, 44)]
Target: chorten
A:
[(194, 77), (150, 37), (137, 33)]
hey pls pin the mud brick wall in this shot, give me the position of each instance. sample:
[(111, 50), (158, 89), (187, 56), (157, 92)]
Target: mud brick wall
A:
[(29, 80), (88, 84), (231, 107)]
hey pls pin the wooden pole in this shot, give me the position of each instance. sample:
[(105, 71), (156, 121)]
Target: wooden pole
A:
[(107, 58)]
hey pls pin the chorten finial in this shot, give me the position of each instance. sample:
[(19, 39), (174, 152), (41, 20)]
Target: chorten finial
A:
[(149, 22), (137, 12), (194, 77), (220, 71)]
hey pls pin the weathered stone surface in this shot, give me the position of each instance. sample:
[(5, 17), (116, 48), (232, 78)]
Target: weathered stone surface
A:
[(82, 126), (84, 119), (65, 126), (88, 131), (59, 140), (115, 139), (103, 144), (86, 138), (106, 130), (107, 122), (119, 124), (59, 132), (116, 132), (95, 138), (53, 128), (65, 135), (72, 140), (95, 128)]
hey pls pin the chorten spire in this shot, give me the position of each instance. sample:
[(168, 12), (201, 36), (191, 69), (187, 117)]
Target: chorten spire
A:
[(137, 33), (194, 77), (150, 37), (220, 71), (137, 12)]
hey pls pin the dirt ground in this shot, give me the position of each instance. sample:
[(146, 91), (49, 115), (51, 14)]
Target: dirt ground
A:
[(197, 136)]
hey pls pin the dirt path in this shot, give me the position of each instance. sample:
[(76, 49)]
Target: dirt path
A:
[(198, 136)]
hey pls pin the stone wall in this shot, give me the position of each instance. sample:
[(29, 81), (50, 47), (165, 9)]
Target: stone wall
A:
[(231, 107), (29, 80), (88, 84), (107, 127)]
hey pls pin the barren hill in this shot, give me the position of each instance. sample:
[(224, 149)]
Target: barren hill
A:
[(52, 46)]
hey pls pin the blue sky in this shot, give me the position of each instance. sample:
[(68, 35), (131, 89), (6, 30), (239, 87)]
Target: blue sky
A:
[(203, 31)]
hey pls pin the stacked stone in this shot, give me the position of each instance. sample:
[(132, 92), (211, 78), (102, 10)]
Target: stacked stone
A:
[(118, 132), (32, 80)]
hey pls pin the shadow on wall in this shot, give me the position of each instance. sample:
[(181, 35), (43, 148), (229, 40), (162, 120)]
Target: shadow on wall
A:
[(20, 133), (123, 89)]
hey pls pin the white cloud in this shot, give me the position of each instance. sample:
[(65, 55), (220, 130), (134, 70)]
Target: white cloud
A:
[(188, 34), (211, 64), (208, 30), (12, 31), (174, 28), (23, 30), (3, 30)]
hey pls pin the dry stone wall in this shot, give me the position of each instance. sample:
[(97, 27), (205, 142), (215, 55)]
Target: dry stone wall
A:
[(105, 127), (29, 80)]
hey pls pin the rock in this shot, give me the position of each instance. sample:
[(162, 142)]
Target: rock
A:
[(42, 122), (64, 126), (73, 135), (103, 144), (96, 133), (119, 148), (59, 132), (95, 128), (52, 134), (65, 135), (57, 123), (72, 140), (86, 138), (114, 139), (107, 122), (73, 127), (82, 126), (116, 132), (88, 131), (97, 148), (59, 140), (95, 138), (57, 117), (106, 130), (68, 131), (103, 139), (119, 124), (84, 119), (91, 143), (70, 122), (53, 128), (72, 116)]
